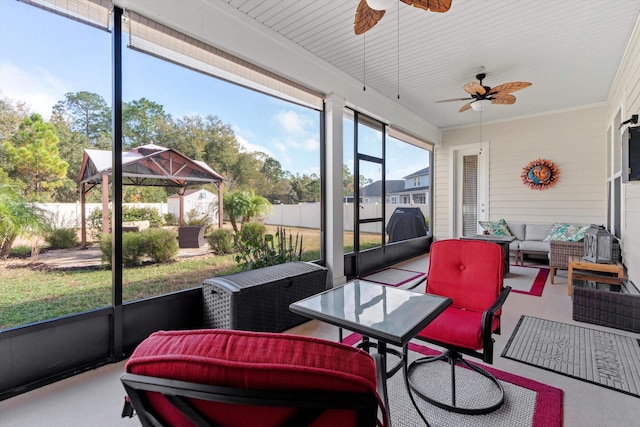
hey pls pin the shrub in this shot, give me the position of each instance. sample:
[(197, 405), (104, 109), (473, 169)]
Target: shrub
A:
[(170, 219), (271, 250), (106, 249), (62, 238), (195, 217), (20, 251), (131, 213), (158, 244), (134, 247), (161, 245), (221, 241), (94, 219), (252, 233)]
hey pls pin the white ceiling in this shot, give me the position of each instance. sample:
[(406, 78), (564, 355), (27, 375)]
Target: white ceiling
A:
[(569, 50)]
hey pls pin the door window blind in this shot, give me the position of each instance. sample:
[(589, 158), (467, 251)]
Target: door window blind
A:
[(470, 195)]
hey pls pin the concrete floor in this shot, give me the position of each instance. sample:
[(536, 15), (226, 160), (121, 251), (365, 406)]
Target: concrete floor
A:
[(96, 397)]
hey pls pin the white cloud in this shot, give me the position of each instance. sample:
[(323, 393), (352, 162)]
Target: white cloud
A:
[(299, 131), (252, 148), (36, 87), (293, 123)]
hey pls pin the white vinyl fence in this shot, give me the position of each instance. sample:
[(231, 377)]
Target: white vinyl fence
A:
[(68, 215), (307, 215)]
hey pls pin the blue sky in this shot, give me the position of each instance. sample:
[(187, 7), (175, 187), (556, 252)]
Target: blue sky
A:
[(55, 55)]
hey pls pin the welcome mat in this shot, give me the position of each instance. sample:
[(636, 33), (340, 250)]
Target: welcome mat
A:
[(393, 276), (528, 403), (602, 358), (526, 280)]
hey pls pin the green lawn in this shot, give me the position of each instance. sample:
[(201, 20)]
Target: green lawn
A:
[(29, 295)]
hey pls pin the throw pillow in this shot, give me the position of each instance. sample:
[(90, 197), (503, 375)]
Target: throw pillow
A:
[(566, 232), (496, 228)]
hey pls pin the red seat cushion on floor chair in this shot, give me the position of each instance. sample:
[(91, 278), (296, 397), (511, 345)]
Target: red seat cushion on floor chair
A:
[(255, 361), (458, 327)]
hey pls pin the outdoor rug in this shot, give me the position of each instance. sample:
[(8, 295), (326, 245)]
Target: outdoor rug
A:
[(394, 276), (526, 280), (603, 358), (527, 402)]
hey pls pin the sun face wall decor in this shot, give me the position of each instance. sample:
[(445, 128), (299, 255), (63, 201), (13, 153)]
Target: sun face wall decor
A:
[(540, 174)]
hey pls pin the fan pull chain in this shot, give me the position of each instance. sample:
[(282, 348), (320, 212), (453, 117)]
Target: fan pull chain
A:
[(364, 62), (398, 52)]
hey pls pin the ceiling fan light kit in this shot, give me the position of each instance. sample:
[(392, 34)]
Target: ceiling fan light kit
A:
[(480, 96), (480, 104), (381, 4)]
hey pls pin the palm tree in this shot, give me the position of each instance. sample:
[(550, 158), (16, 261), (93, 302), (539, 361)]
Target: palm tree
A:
[(245, 205), (17, 217)]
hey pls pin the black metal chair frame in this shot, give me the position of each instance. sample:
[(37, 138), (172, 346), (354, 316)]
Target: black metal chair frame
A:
[(453, 355), (310, 404)]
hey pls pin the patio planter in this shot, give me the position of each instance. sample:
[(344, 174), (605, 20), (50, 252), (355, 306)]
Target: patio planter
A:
[(191, 236)]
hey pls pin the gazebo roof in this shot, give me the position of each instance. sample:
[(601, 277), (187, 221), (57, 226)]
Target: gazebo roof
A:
[(148, 165)]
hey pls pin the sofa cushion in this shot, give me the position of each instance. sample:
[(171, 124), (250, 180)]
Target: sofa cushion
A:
[(536, 232), (496, 228), (566, 232), (535, 245), (517, 229)]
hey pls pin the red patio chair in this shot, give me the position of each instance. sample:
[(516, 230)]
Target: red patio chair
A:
[(471, 274), (238, 378)]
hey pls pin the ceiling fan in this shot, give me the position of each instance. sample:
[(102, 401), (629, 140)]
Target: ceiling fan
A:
[(481, 95), (369, 12)]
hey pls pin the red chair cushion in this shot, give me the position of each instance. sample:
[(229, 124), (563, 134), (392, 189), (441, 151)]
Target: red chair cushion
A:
[(460, 328), (254, 360), (469, 272)]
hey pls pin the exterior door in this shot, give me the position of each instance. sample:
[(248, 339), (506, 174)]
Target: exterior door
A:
[(469, 188)]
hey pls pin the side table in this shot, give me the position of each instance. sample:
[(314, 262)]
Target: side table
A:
[(579, 263), (503, 241)]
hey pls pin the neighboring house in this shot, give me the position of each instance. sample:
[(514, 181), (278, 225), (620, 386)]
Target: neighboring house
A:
[(411, 189), (415, 190), (371, 194), (197, 201)]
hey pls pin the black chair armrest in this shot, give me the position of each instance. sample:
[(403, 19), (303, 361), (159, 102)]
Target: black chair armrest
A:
[(487, 316)]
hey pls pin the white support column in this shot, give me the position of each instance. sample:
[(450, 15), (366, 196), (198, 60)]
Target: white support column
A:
[(334, 106)]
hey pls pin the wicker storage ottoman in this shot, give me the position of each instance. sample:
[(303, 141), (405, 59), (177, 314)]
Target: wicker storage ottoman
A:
[(609, 301), (258, 300)]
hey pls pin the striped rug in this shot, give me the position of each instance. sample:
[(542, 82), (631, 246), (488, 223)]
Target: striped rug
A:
[(598, 357)]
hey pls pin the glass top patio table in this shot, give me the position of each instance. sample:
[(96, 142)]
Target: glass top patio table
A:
[(377, 311)]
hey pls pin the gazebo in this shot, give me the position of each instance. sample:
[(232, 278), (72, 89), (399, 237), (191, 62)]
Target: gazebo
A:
[(148, 165)]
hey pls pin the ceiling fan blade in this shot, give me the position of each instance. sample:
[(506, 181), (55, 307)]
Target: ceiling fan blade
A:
[(465, 107), (503, 99), (454, 99), (366, 18), (432, 5), (474, 88), (509, 87)]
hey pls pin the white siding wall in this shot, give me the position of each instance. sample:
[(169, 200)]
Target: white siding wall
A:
[(573, 140), (625, 94)]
